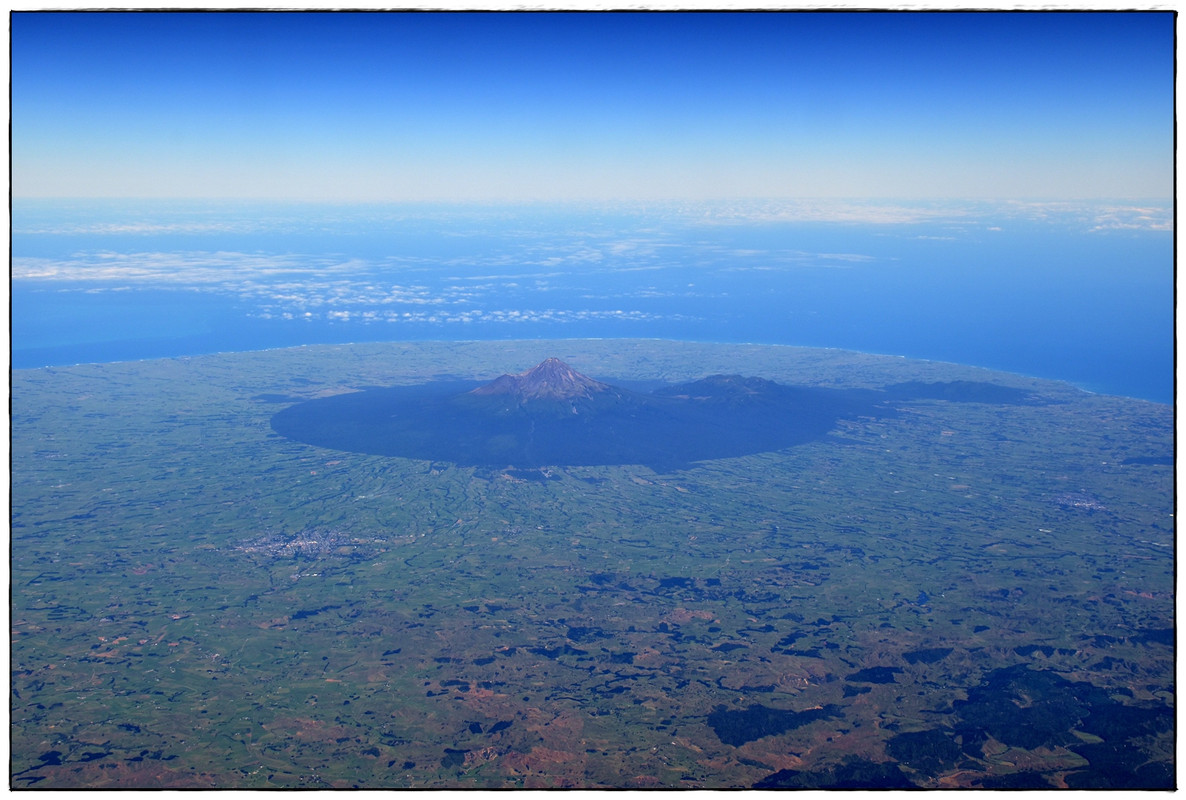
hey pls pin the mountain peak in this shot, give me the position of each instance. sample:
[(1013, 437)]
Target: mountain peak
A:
[(551, 379)]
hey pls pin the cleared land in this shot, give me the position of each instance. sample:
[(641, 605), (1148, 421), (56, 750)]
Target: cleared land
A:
[(199, 601)]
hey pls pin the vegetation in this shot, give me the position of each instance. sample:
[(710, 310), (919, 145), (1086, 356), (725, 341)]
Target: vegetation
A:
[(200, 601)]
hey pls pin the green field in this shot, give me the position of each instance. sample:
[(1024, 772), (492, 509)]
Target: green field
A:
[(959, 594)]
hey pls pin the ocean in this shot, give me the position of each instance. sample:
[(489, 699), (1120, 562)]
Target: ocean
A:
[(1075, 292)]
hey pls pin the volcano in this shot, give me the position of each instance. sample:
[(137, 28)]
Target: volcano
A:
[(549, 389), (552, 415), (551, 379)]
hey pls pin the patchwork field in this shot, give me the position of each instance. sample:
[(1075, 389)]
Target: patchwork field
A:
[(969, 584)]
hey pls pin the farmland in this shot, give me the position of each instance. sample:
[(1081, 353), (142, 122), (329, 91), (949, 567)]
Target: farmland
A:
[(198, 601)]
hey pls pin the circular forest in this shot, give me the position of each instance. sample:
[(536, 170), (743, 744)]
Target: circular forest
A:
[(552, 415)]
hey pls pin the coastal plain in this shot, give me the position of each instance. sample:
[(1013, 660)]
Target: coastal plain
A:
[(975, 590)]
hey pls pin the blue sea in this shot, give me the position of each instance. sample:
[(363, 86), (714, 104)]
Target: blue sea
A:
[(1081, 292)]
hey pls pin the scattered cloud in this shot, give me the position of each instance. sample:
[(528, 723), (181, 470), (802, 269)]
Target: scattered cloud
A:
[(847, 257), (1090, 215), (824, 210), (155, 228), (322, 288), (1096, 217), (1134, 218), (508, 276), (507, 273), (470, 316), (176, 267)]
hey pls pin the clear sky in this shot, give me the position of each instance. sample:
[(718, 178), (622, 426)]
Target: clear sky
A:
[(527, 106)]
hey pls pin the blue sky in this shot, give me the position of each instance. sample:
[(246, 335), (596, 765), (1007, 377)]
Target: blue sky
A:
[(489, 107)]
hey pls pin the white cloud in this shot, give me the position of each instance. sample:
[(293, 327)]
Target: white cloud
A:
[(825, 210), (1097, 217), (191, 268), (294, 287), (471, 316), (141, 227), (1090, 215)]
